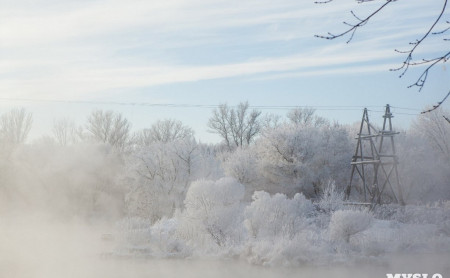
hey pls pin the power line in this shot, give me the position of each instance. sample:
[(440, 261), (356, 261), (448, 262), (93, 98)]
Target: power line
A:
[(212, 106)]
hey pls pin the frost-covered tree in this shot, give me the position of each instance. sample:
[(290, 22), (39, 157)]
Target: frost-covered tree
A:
[(66, 132), (270, 121), (159, 175), (305, 117), (424, 158), (434, 127), (158, 180), (109, 127), (297, 158), (237, 126), (167, 130), (15, 126), (162, 165)]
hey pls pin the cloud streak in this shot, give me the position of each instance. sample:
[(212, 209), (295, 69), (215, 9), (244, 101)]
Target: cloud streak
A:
[(74, 50)]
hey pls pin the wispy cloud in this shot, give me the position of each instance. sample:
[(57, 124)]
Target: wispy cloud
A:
[(78, 49)]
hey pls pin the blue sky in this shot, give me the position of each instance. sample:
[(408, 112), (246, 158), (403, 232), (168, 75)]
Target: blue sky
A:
[(210, 52)]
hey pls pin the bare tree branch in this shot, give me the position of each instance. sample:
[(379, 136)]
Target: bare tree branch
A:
[(353, 27), (447, 119), (437, 105), (409, 60)]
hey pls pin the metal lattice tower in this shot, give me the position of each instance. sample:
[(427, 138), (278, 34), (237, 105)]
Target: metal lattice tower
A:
[(375, 162)]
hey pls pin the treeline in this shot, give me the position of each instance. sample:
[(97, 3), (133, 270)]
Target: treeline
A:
[(104, 169)]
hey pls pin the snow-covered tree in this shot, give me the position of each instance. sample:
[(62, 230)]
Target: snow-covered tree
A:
[(434, 127), (297, 158), (424, 161), (164, 131), (237, 126), (15, 126), (158, 180), (109, 127), (305, 117), (66, 132)]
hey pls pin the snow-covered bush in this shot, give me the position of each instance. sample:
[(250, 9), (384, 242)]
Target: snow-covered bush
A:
[(213, 210), (165, 239), (280, 251), (137, 237), (277, 215), (431, 214), (347, 223), (332, 199)]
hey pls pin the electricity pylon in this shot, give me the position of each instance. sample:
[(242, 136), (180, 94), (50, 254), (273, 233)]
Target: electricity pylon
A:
[(375, 162)]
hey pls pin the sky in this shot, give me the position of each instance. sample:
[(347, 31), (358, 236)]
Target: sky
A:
[(153, 60)]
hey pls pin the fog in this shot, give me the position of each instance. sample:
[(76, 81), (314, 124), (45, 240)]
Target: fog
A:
[(136, 206), (34, 245)]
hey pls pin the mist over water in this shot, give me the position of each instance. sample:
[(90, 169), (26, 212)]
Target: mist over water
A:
[(37, 245), (184, 209)]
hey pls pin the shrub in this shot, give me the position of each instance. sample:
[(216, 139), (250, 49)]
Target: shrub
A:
[(269, 216), (214, 208), (346, 223)]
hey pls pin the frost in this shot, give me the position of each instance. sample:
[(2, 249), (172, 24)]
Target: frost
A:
[(347, 223)]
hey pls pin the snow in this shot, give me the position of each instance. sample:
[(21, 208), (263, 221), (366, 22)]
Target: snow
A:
[(274, 230), (277, 202)]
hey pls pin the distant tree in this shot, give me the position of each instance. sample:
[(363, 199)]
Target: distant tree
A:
[(66, 132), (164, 131), (237, 126), (109, 127), (305, 117), (423, 168), (15, 126), (434, 127), (410, 60), (270, 121)]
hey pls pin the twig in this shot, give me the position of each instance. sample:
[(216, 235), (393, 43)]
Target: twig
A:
[(407, 62), (353, 27), (437, 105), (447, 119)]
